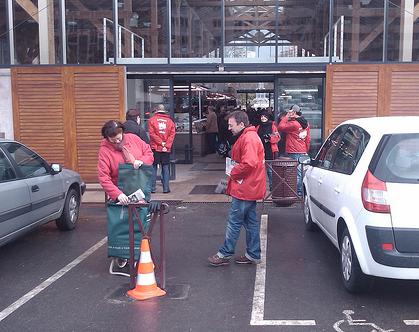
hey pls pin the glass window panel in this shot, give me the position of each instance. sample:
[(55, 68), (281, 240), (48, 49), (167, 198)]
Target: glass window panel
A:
[(6, 170), (4, 39), (89, 26), (308, 94), (145, 94), (362, 29), (26, 37), (303, 27), (196, 30), (250, 32), (328, 151), (36, 28), (144, 30), (28, 162), (403, 31)]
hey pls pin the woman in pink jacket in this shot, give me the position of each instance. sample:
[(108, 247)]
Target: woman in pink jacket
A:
[(117, 148)]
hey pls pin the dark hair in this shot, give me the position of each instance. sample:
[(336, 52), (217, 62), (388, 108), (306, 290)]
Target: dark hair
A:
[(239, 116), (132, 114), (112, 128)]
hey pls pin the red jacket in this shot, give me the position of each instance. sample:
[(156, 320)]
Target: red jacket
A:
[(110, 158), (297, 139), (162, 131), (247, 180), (275, 138)]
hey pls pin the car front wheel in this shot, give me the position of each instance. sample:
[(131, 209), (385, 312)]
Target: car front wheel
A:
[(310, 225), (70, 214), (354, 280)]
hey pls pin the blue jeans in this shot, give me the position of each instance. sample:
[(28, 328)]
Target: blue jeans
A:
[(242, 213), (165, 175), (295, 156)]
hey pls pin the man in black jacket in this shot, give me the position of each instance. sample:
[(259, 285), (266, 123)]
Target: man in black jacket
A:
[(133, 125)]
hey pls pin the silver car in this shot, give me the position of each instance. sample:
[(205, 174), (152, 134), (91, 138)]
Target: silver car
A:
[(33, 192)]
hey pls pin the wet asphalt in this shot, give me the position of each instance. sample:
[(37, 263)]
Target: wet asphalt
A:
[(302, 281)]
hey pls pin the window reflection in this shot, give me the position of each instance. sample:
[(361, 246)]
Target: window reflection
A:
[(308, 94), (196, 29), (363, 29), (86, 30)]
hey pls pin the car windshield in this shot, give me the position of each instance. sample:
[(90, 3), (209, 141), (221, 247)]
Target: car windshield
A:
[(398, 158)]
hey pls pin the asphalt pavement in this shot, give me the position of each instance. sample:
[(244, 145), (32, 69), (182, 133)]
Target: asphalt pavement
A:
[(296, 288)]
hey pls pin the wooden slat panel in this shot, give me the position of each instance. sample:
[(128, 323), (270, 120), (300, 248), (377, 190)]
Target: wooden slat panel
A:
[(59, 111), (370, 90), (97, 99), (354, 94), (404, 93), (38, 111)]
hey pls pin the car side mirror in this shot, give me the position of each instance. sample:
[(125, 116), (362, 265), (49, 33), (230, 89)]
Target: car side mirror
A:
[(56, 168)]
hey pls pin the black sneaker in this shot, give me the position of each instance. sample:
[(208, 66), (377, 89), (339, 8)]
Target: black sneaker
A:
[(218, 261), (244, 260)]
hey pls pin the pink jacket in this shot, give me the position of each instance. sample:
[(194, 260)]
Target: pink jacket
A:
[(110, 158), (247, 180)]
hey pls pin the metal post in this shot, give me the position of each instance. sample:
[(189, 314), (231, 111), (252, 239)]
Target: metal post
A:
[(385, 31), (330, 29), (223, 28), (276, 30), (335, 39), (11, 31), (169, 30), (190, 124), (131, 247), (119, 41), (162, 250), (115, 32), (63, 33), (104, 41), (276, 95), (342, 21)]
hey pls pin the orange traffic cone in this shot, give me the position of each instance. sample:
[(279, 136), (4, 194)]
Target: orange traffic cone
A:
[(146, 287)]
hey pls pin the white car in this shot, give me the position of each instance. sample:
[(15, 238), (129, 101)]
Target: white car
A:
[(362, 191)]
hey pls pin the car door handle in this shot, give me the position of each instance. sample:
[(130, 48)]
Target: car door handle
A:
[(319, 181), (35, 188), (337, 190)]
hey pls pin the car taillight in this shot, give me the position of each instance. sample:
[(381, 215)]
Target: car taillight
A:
[(374, 194)]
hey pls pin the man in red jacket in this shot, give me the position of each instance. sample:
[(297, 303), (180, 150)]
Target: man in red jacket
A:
[(246, 184), (297, 138), (161, 129)]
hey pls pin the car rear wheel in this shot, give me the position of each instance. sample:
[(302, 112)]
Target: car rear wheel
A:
[(354, 280), (71, 209), (310, 225)]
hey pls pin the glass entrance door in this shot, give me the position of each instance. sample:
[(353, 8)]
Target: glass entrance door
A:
[(308, 94)]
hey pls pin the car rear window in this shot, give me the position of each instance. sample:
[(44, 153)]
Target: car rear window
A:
[(397, 159)]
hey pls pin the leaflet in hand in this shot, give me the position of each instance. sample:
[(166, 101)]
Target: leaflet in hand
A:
[(136, 197), (229, 165)]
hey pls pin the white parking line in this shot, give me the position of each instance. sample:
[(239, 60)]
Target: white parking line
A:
[(31, 294), (411, 322), (260, 281)]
